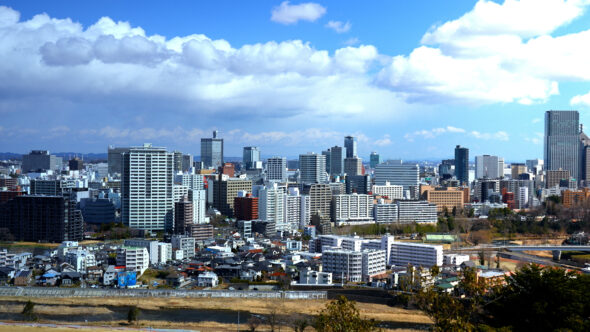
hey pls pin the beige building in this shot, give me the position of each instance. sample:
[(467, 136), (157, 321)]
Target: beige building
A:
[(449, 197), (554, 176)]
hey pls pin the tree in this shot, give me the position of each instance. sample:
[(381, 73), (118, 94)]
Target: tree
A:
[(133, 314), (300, 325), (29, 311), (447, 312), (341, 315), (435, 270), (253, 323)]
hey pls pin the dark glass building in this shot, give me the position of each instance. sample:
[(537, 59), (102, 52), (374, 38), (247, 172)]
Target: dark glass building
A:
[(462, 164), (212, 151)]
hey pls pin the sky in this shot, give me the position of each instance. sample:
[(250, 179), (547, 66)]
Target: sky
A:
[(409, 79)]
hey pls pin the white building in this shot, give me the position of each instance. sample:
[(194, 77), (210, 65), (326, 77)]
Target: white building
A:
[(523, 197), (490, 167), (179, 192), (150, 245), (207, 279), (192, 181), (133, 258), (385, 213), (309, 277), (416, 211), (271, 206), (389, 190), (312, 168), (297, 209), (199, 199), (146, 168), (373, 263), (184, 243), (80, 259), (455, 259), (164, 252), (416, 254), (354, 266), (276, 169), (352, 209)]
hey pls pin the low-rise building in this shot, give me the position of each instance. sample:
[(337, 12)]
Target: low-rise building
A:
[(207, 279), (308, 276), (133, 258)]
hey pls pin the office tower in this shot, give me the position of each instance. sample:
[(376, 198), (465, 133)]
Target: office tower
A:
[(327, 154), (228, 169), (485, 188), (562, 142), (462, 164), (337, 154), (271, 206), (225, 191), (312, 168), (251, 157), (42, 219), (97, 210), (353, 166), (297, 209), (360, 184), (516, 169), (147, 188), (350, 145), (276, 169), (397, 173), (183, 216), (534, 165), (446, 169), (177, 161), (554, 177), (489, 167), (40, 160), (115, 159), (246, 206), (76, 164), (444, 197), (375, 159), (212, 151), (187, 162)]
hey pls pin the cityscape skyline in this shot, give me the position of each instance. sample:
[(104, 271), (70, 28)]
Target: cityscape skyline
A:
[(335, 73)]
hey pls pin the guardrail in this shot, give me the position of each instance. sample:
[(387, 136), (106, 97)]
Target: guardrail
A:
[(159, 293)]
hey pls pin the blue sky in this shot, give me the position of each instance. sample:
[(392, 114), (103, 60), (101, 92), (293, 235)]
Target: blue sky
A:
[(411, 79)]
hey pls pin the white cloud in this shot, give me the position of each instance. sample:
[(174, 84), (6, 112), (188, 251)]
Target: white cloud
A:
[(495, 53), (338, 26), (536, 120), (581, 100), (384, 141), (352, 41), (499, 135), (434, 132), (286, 13)]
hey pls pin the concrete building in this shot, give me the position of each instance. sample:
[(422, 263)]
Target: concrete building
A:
[(80, 259), (353, 166), (489, 167), (207, 279), (184, 243), (554, 177), (147, 200), (389, 190), (187, 162), (312, 168), (40, 160), (97, 210), (445, 197), (397, 173), (562, 145), (271, 206), (320, 200), (199, 201), (183, 216), (352, 209), (360, 184), (246, 207), (164, 252), (276, 169), (337, 155), (309, 277), (133, 258), (115, 159), (455, 259), (251, 157), (516, 169), (385, 213), (212, 151), (190, 180), (225, 192), (200, 232), (353, 266), (416, 254), (150, 245), (297, 209), (416, 211)]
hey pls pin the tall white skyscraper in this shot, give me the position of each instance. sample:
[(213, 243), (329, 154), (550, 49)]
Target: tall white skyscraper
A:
[(490, 167), (276, 169), (147, 200), (297, 209), (271, 206), (312, 168)]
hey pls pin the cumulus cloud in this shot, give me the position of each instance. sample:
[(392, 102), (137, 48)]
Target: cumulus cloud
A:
[(286, 13), (581, 100), (338, 26), (495, 53)]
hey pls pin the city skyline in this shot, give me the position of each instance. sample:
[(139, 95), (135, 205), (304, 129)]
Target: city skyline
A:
[(289, 78)]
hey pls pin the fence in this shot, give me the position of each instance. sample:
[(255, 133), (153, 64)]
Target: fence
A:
[(164, 293)]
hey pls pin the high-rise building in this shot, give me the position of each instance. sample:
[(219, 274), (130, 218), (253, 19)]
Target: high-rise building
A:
[(516, 169), (320, 199), (147, 196), (353, 208), (183, 216), (177, 155), (375, 159), (353, 166), (212, 151), (115, 159), (42, 219), (462, 164), (337, 154), (328, 155), (360, 184), (187, 162), (297, 209), (276, 169), (312, 168), (246, 207), (40, 160), (251, 157), (446, 169), (271, 206), (225, 192), (76, 164), (554, 177), (397, 173), (350, 145), (199, 200), (489, 167), (562, 142)]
